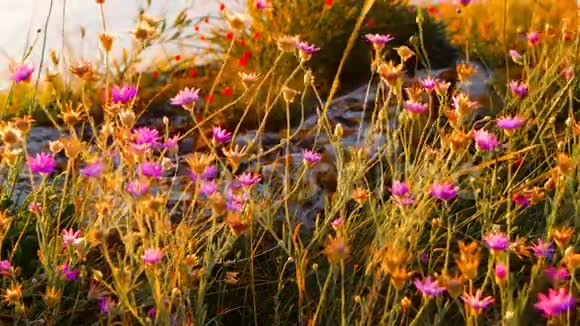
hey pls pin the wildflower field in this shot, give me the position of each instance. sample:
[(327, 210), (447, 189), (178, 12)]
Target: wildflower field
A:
[(297, 162)]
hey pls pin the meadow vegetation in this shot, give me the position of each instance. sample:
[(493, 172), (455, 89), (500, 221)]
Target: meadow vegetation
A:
[(182, 193)]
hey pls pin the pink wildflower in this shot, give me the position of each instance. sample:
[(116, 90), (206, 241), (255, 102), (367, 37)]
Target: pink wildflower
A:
[(152, 256), (42, 163)]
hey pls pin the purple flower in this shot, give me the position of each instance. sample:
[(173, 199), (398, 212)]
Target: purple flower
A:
[(533, 38), (106, 304), (464, 3), (516, 56), (428, 83), (5, 266), (555, 303), (415, 107), (429, 287), (171, 143), (310, 158), (510, 123), (337, 223), (308, 48), (151, 169), (146, 136), (70, 236), (23, 72), (519, 88), (235, 203), (443, 191), (137, 188), (248, 179), (187, 98), (123, 94), (152, 312), (542, 249), (557, 274), (404, 201), (210, 172), (68, 273), (152, 256), (379, 40), (485, 141), (399, 189), (93, 169), (496, 242), (220, 135), (476, 302), (500, 272), (261, 4), (42, 163), (522, 199), (208, 188)]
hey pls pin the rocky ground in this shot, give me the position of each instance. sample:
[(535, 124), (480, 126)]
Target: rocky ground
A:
[(350, 110)]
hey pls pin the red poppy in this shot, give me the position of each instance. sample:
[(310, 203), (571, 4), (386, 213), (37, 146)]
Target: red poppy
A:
[(227, 91), (243, 61), (203, 38), (329, 2), (209, 99), (247, 54), (155, 74), (193, 72), (242, 42), (177, 57), (257, 35), (196, 28), (222, 7), (230, 36), (206, 19)]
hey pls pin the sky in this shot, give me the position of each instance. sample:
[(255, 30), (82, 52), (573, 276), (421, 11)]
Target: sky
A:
[(20, 19)]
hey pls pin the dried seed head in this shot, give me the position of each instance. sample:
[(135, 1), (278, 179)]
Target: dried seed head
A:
[(405, 303), (13, 294), (127, 118), (9, 134), (10, 155), (288, 43), (236, 223), (289, 94), (338, 131), (248, 79), (56, 146), (144, 31), (360, 195), (337, 249), (83, 70), (72, 116), (54, 57), (24, 124), (565, 164), (391, 74), (73, 147), (197, 162), (399, 277), (106, 41), (52, 296), (237, 21), (465, 71), (405, 53), (234, 155), (562, 236)]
